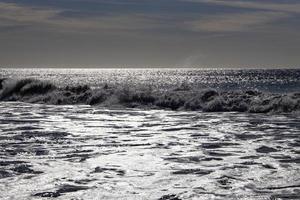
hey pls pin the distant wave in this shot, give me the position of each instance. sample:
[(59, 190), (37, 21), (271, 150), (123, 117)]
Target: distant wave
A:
[(180, 98)]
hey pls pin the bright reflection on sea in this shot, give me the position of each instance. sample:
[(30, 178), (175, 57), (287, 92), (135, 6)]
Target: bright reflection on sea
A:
[(272, 80)]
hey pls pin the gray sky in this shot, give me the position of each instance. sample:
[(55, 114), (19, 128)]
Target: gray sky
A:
[(150, 33)]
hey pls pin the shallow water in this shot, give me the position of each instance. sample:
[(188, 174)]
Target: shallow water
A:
[(85, 152)]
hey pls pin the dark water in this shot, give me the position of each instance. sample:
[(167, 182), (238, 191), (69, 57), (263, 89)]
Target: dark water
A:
[(80, 151)]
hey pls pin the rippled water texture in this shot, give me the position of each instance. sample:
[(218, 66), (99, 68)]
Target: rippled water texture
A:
[(84, 152)]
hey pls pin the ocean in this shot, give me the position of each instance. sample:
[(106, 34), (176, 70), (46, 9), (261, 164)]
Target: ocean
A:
[(161, 134)]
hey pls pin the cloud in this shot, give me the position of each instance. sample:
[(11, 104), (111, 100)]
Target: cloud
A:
[(17, 15), (259, 5), (262, 13), (22, 14), (236, 22)]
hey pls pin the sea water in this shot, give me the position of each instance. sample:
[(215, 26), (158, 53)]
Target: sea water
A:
[(80, 151)]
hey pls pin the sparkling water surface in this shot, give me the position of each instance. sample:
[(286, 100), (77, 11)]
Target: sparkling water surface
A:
[(272, 80)]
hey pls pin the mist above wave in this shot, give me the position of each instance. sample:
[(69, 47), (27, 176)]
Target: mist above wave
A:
[(183, 97)]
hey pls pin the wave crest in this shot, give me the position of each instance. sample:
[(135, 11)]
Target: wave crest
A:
[(208, 100)]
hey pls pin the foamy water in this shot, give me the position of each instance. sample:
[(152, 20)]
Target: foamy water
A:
[(84, 152)]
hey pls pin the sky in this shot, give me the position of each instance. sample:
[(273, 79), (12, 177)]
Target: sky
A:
[(150, 33)]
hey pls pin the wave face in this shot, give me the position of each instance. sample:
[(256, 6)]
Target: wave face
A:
[(183, 97)]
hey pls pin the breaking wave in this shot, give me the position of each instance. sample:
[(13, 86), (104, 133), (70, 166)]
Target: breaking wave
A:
[(180, 98)]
